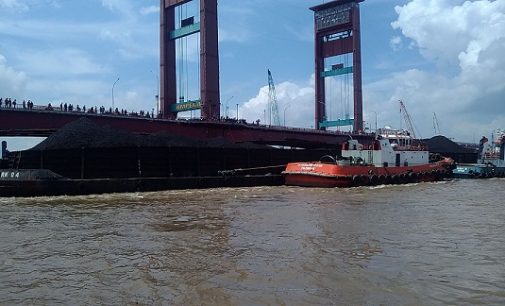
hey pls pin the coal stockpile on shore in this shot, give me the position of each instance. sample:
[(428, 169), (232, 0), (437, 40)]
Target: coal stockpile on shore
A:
[(84, 133)]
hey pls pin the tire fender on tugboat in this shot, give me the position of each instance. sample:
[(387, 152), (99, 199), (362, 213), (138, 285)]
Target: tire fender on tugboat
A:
[(412, 177), (403, 178), (374, 180), (365, 180)]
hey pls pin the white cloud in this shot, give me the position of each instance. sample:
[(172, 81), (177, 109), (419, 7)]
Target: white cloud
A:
[(396, 43), (55, 3), (234, 24), (12, 82), (66, 62), (449, 32), (132, 95), (149, 10), (469, 40), (234, 34), (135, 39), (304, 33), (124, 7), (47, 30), (74, 90), (295, 105), (13, 4)]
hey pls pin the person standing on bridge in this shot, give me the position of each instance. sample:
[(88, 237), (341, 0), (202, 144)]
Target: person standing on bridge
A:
[(14, 103), (0, 102)]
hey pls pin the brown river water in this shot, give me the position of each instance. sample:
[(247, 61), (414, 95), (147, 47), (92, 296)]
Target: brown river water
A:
[(421, 244)]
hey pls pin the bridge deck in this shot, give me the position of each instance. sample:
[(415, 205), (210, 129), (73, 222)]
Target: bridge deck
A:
[(42, 122)]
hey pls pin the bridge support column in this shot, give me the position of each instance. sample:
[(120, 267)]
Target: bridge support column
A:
[(209, 59), (337, 32)]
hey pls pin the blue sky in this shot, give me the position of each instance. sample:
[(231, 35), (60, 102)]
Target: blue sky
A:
[(439, 56)]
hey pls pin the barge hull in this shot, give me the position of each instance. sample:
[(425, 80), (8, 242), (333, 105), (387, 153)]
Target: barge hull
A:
[(32, 188)]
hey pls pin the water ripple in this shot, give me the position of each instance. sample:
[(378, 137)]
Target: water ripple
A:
[(418, 244)]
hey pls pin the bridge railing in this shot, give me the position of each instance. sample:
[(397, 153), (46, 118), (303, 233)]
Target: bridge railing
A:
[(148, 116), (87, 112)]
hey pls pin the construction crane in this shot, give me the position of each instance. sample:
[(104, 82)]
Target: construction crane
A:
[(408, 120), (272, 101), (436, 127)]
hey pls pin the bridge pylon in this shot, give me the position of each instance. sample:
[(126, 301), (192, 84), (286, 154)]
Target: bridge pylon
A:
[(170, 32)]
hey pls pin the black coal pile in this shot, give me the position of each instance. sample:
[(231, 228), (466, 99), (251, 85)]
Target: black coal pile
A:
[(85, 133), (443, 144)]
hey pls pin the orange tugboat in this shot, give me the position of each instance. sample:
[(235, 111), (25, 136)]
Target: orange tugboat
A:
[(393, 158)]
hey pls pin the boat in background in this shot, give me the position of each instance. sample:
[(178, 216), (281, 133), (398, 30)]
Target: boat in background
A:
[(491, 161), (393, 158)]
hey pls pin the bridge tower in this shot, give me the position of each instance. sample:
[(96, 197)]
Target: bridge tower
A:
[(337, 32), (170, 32)]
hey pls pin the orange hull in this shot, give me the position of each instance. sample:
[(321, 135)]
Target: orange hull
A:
[(329, 175)]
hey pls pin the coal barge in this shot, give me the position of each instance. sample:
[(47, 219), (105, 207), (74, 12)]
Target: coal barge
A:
[(85, 158)]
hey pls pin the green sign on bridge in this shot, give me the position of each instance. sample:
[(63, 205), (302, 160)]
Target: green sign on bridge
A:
[(186, 106)]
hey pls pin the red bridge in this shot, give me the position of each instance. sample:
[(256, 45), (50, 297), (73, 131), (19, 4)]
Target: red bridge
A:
[(334, 36), (40, 122)]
